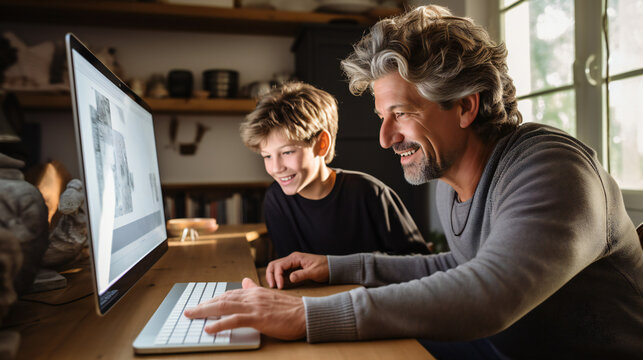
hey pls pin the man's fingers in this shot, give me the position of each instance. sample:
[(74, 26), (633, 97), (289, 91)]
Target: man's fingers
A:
[(270, 278), (216, 308), (247, 283), (275, 270), (297, 276), (279, 276), (229, 322), (230, 295), (196, 312)]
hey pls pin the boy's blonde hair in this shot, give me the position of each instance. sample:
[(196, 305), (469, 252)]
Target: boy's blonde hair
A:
[(300, 110)]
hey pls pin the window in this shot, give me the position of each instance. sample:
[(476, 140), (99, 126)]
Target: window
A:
[(557, 58), (540, 60), (625, 45)]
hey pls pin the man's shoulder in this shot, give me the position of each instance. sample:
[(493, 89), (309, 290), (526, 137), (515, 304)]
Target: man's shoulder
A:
[(540, 154), (535, 134), (539, 144)]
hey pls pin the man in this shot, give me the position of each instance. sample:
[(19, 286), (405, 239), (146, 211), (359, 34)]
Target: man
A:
[(544, 261)]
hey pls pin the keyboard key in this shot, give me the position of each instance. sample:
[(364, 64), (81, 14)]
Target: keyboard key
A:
[(223, 337), (179, 329), (161, 340), (206, 338), (176, 340), (192, 339)]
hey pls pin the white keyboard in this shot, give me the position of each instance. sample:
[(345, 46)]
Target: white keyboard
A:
[(179, 329)]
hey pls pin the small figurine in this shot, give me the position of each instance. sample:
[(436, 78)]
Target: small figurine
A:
[(32, 68), (107, 56), (156, 87), (70, 234)]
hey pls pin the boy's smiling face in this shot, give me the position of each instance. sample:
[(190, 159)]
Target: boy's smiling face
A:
[(293, 164)]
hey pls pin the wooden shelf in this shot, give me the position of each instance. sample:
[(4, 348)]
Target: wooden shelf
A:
[(61, 101), (221, 189), (210, 106), (158, 16), (209, 186)]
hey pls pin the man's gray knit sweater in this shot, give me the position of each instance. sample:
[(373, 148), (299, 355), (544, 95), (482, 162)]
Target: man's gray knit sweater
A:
[(544, 261)]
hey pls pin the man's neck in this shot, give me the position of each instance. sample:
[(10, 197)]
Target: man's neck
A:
[(465, 174)]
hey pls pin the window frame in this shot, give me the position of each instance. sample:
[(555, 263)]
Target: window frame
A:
[(589, 83)]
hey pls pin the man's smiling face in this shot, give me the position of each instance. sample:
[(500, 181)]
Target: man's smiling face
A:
[(425, 136)]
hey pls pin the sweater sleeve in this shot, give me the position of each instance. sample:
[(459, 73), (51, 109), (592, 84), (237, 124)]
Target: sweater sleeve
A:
[(376, 270), (549, 223)]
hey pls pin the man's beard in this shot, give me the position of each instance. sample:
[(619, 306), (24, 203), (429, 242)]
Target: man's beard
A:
[(417, 173), (422, 172)]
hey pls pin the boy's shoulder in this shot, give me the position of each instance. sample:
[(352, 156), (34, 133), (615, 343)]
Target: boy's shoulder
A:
[(360, 180), (274, 189)]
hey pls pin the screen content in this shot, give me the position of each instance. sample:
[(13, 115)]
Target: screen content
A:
[(118, 153)]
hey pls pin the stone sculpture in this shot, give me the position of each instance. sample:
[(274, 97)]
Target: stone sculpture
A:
[(23, 214), (70, 234), (24, 237), (10, 263)]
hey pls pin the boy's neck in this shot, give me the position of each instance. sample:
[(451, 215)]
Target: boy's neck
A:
[(322, 186)]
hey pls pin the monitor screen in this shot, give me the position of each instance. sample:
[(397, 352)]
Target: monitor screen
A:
[(117, 151)]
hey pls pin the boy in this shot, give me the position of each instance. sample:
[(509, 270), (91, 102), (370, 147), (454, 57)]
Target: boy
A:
[(311, 207)]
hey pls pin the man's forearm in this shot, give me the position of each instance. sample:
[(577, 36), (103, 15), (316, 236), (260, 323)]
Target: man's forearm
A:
[(377, 270)]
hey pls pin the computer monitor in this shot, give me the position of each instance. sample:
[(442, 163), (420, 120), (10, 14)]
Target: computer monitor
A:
[(119, 168)]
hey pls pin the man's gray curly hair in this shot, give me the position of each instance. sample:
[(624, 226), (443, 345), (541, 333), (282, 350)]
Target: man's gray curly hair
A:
[(446, 57)]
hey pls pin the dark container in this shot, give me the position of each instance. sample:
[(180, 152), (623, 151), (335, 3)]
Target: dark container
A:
[(221, 83), (180, 83)]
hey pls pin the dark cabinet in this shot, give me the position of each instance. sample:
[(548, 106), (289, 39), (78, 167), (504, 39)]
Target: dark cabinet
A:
[(318, 51)]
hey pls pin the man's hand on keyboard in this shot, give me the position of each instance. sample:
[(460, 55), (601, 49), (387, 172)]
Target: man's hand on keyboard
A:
[(303, 267), (272, 313)]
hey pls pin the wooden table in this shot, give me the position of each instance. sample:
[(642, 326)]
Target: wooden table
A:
[(73, 330)]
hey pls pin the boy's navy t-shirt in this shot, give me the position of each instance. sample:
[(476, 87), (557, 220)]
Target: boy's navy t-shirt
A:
[(361, 214)]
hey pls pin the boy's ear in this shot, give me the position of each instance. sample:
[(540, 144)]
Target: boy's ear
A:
[(469, 109), (323, 144)]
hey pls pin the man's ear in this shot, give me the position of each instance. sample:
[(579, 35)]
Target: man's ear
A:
[(322, 145), (469, 109)]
